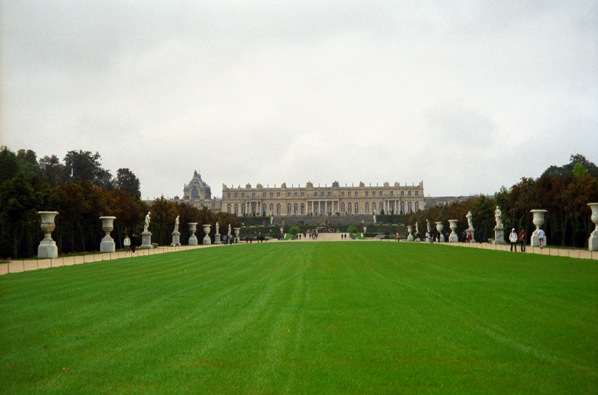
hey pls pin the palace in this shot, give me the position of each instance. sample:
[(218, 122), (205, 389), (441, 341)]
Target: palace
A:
[(307, 200)]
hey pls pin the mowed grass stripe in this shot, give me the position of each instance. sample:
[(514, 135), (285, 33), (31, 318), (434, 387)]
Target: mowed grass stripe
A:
[(304, 317)]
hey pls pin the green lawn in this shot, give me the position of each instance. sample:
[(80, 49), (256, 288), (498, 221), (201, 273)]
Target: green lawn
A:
[(302, 317)]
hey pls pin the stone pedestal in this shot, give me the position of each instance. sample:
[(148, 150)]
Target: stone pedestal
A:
[(439, 228), (107, 243), (47, 247), (236, 230), (499, 236), (453, 237), (192, 229), (470, 231), (146, 240), (593, 240), (176, 239), (206, 238), (538, 220), (217, 239)]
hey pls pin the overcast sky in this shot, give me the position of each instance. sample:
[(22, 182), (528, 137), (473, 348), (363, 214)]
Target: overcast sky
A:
[(465, 96)]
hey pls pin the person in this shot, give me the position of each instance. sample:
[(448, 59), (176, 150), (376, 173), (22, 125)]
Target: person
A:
[(127, 243), (398, 236), (541, 238), (133, 242), (522, 239), (513, 238)]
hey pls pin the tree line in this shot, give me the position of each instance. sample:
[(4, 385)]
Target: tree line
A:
[(81, 190), (564, 191)]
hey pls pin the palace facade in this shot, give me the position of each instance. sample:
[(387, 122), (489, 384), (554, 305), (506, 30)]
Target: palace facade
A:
[(307, 200)]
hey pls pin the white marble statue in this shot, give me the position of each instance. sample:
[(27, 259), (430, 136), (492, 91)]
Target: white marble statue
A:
[(147, 221), (469, 222), (176, 224), (497, 216), (428, 225), (229, 230), (217, 227)]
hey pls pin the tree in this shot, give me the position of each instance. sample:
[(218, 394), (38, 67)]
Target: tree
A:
[(9, 166), (51, 170), (20, 199), (85, 166), (128, 182)]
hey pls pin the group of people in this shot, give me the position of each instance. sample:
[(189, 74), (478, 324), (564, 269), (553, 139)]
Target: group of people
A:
[(521, 238), (130, 243)]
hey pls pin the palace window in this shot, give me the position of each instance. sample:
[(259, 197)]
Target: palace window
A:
[(271, 194), (416, 193), (356, 208), (408, 193), (278, 209), (416, 206), (349, 194), (242, 194)]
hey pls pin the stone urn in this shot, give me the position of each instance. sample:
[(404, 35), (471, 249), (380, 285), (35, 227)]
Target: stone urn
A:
[(453, 237), (409, 230), (538, 220), (236, 232), (192, 230), (47, 247), (206, 230), (439, 228), (107, 243), (593, 241)]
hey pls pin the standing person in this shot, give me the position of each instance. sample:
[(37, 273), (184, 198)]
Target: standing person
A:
[(398, 236), (522, 239), (127, 243), (133, 242), (513, 238), (541, 238)]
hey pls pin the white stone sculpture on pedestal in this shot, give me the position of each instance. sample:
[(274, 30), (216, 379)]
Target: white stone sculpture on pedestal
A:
[(206, 230), (593, 240), (236, 230), (409, 235), (192, 229), (107, 243), (499, 230), (176, 235), (217, 234), (470, 231), (453, 237), (146, 235), (47, 247), (538, 220), (416, 232), (439, 228)]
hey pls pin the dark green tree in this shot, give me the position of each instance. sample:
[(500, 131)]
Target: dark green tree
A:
[(128, 182)]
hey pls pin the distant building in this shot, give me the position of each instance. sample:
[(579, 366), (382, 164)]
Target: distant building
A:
[(307, 200), (326, 200)]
